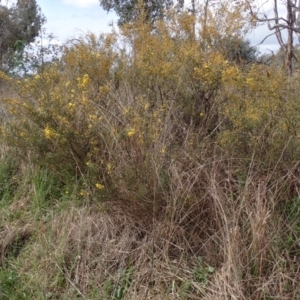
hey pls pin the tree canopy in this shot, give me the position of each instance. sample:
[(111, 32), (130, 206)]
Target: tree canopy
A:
[(128, 10), (20, 24)]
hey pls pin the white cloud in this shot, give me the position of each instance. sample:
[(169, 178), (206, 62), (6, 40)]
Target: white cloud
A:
[(81, 3)]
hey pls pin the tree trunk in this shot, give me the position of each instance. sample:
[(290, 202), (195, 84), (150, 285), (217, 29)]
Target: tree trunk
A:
[(289, 48), (291, 24), (1, 56)]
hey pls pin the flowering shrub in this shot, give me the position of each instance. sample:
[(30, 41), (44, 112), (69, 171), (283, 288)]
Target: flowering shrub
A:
[(117, 110), (260, 113), (58, 112)]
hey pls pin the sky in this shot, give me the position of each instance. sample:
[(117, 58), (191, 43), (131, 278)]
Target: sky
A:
[(71, 18), (258, 35), (67, 19)]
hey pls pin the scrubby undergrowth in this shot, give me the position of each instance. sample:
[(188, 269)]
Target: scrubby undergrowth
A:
[(147, 165)]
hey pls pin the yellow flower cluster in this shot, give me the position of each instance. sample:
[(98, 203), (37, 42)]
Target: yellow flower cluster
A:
[(49, 133), (100, 186), (83, 81), (131, 132)]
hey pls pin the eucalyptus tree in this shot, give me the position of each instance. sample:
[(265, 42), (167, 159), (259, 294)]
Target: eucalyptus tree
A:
[(20, 24), (128, 10)]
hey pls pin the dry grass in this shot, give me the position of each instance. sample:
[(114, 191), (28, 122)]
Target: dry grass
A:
[(110, 251)]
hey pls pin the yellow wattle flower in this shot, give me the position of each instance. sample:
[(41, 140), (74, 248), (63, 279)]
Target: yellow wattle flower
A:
[(131, 132)]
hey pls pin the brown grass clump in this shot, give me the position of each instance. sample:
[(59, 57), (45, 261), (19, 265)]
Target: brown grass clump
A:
[(226, 243), (13, 240)]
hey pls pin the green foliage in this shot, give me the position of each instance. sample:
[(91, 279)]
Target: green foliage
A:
[(202, 273), (116, 290), (10, 286), (292, 235), (8, 179), (129, 10), (19, 25), (48, 190), (237, 50)]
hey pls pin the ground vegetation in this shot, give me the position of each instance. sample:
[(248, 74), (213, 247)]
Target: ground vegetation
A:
[(150, 165)]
